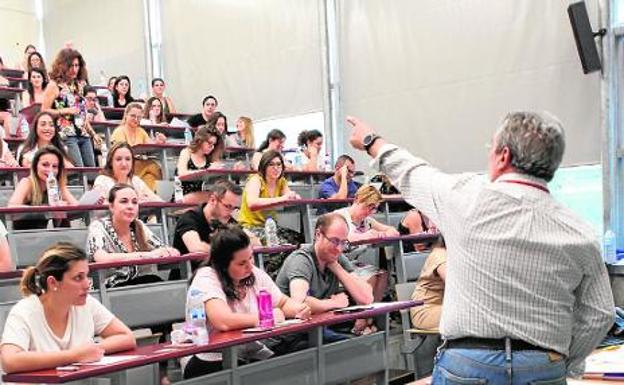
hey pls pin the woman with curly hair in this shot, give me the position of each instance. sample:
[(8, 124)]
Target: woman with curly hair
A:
[(63, 99)]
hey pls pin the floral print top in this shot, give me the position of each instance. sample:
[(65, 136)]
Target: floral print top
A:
[(103, 236), (70, 96)]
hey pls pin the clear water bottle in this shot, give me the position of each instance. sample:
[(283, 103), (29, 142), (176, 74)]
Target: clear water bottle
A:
[(265, 309), (178, 193), (609, 244), (196, 317), (298, 161), (104, 151), (327, 163), (188, 136), (52, 189), (270, 232)]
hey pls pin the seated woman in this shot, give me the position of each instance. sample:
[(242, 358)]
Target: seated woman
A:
[(35, 60), (414, 222), (218, 121), (122, 92), (42, 133), (274, 141), (54, 325), (123, 236), (267, 188), (6, 262), (32, 190), (37, 83), (23, 64), (311, 143), (119, 169), (230, 282), (430, 289), (6, 156), (204, 151), (153, 113), (158, 90), (243, 137), (130, 131), (363, 226)]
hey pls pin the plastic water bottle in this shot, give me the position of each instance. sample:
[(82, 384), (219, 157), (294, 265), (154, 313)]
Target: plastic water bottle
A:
[(298, 159), (196, 317), (104, 151), (270, 232), (52, 189), (265, 309), (178, 193), (188, 136), (609, 247), (327, 163)]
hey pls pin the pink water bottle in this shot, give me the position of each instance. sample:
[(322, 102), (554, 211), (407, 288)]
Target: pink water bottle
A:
[(265, 309)]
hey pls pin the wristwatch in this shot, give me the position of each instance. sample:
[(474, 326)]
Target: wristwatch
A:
[(369, 140)]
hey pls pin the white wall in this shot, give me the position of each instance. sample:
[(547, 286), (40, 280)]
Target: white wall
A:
[(109, 35), (18, 28), (436, 76), (261, 59)]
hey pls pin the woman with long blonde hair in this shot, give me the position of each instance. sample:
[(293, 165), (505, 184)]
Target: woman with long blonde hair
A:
[(244, 136)]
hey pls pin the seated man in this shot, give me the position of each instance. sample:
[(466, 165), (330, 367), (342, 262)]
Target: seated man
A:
[(341, 185), (430, 289), (195, 227), (313, 273), (209, 106)]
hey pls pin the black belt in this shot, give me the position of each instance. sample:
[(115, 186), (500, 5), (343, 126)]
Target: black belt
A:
[(489, 344)]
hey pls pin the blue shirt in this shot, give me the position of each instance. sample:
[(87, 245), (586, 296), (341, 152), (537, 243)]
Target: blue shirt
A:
[(329, 187)]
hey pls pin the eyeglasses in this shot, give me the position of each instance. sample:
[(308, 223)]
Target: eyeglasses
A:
[(91, 98), (341, 243), (228, 206), (137, 117), (275, 164)]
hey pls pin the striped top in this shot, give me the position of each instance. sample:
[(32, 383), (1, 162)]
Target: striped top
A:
[(520, 264)]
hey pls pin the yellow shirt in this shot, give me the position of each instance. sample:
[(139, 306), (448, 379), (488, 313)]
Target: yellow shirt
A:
[(248, 218), (120, 134)]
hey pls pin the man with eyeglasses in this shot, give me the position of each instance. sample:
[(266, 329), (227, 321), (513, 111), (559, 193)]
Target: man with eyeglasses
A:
[(527, 294), (195, 227), (313, 273)]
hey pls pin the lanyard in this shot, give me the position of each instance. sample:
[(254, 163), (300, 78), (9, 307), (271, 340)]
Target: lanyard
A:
[(530, 184)]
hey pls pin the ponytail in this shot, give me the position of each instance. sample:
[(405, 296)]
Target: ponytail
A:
[(53, 262), (272, 135), (30, 283)]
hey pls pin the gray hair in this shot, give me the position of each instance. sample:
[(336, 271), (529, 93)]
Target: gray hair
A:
[(536, 142)]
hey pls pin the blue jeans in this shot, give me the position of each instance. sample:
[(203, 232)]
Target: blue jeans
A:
[(80, 150), (480, 366)]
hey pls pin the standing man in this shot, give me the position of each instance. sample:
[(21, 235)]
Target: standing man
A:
[(527, 293)]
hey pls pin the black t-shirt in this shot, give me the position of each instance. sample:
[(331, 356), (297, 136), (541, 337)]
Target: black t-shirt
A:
[(194, 220), (196, 120)]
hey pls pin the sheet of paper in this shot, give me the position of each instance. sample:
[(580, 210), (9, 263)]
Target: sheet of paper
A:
[(108, 360), (90, 197), (607, 361)]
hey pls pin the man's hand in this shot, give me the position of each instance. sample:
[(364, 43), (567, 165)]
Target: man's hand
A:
[(344, 172), (360, 130), (339, 300)]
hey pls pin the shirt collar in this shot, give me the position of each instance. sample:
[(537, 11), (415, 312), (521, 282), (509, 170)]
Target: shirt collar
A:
[(522, 177)]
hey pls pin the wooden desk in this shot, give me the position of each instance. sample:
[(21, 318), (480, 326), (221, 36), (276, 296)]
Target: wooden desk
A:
[(11, 73), (319, 364), (17, 82), (84, 172), (29, 112), (117, 113)]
